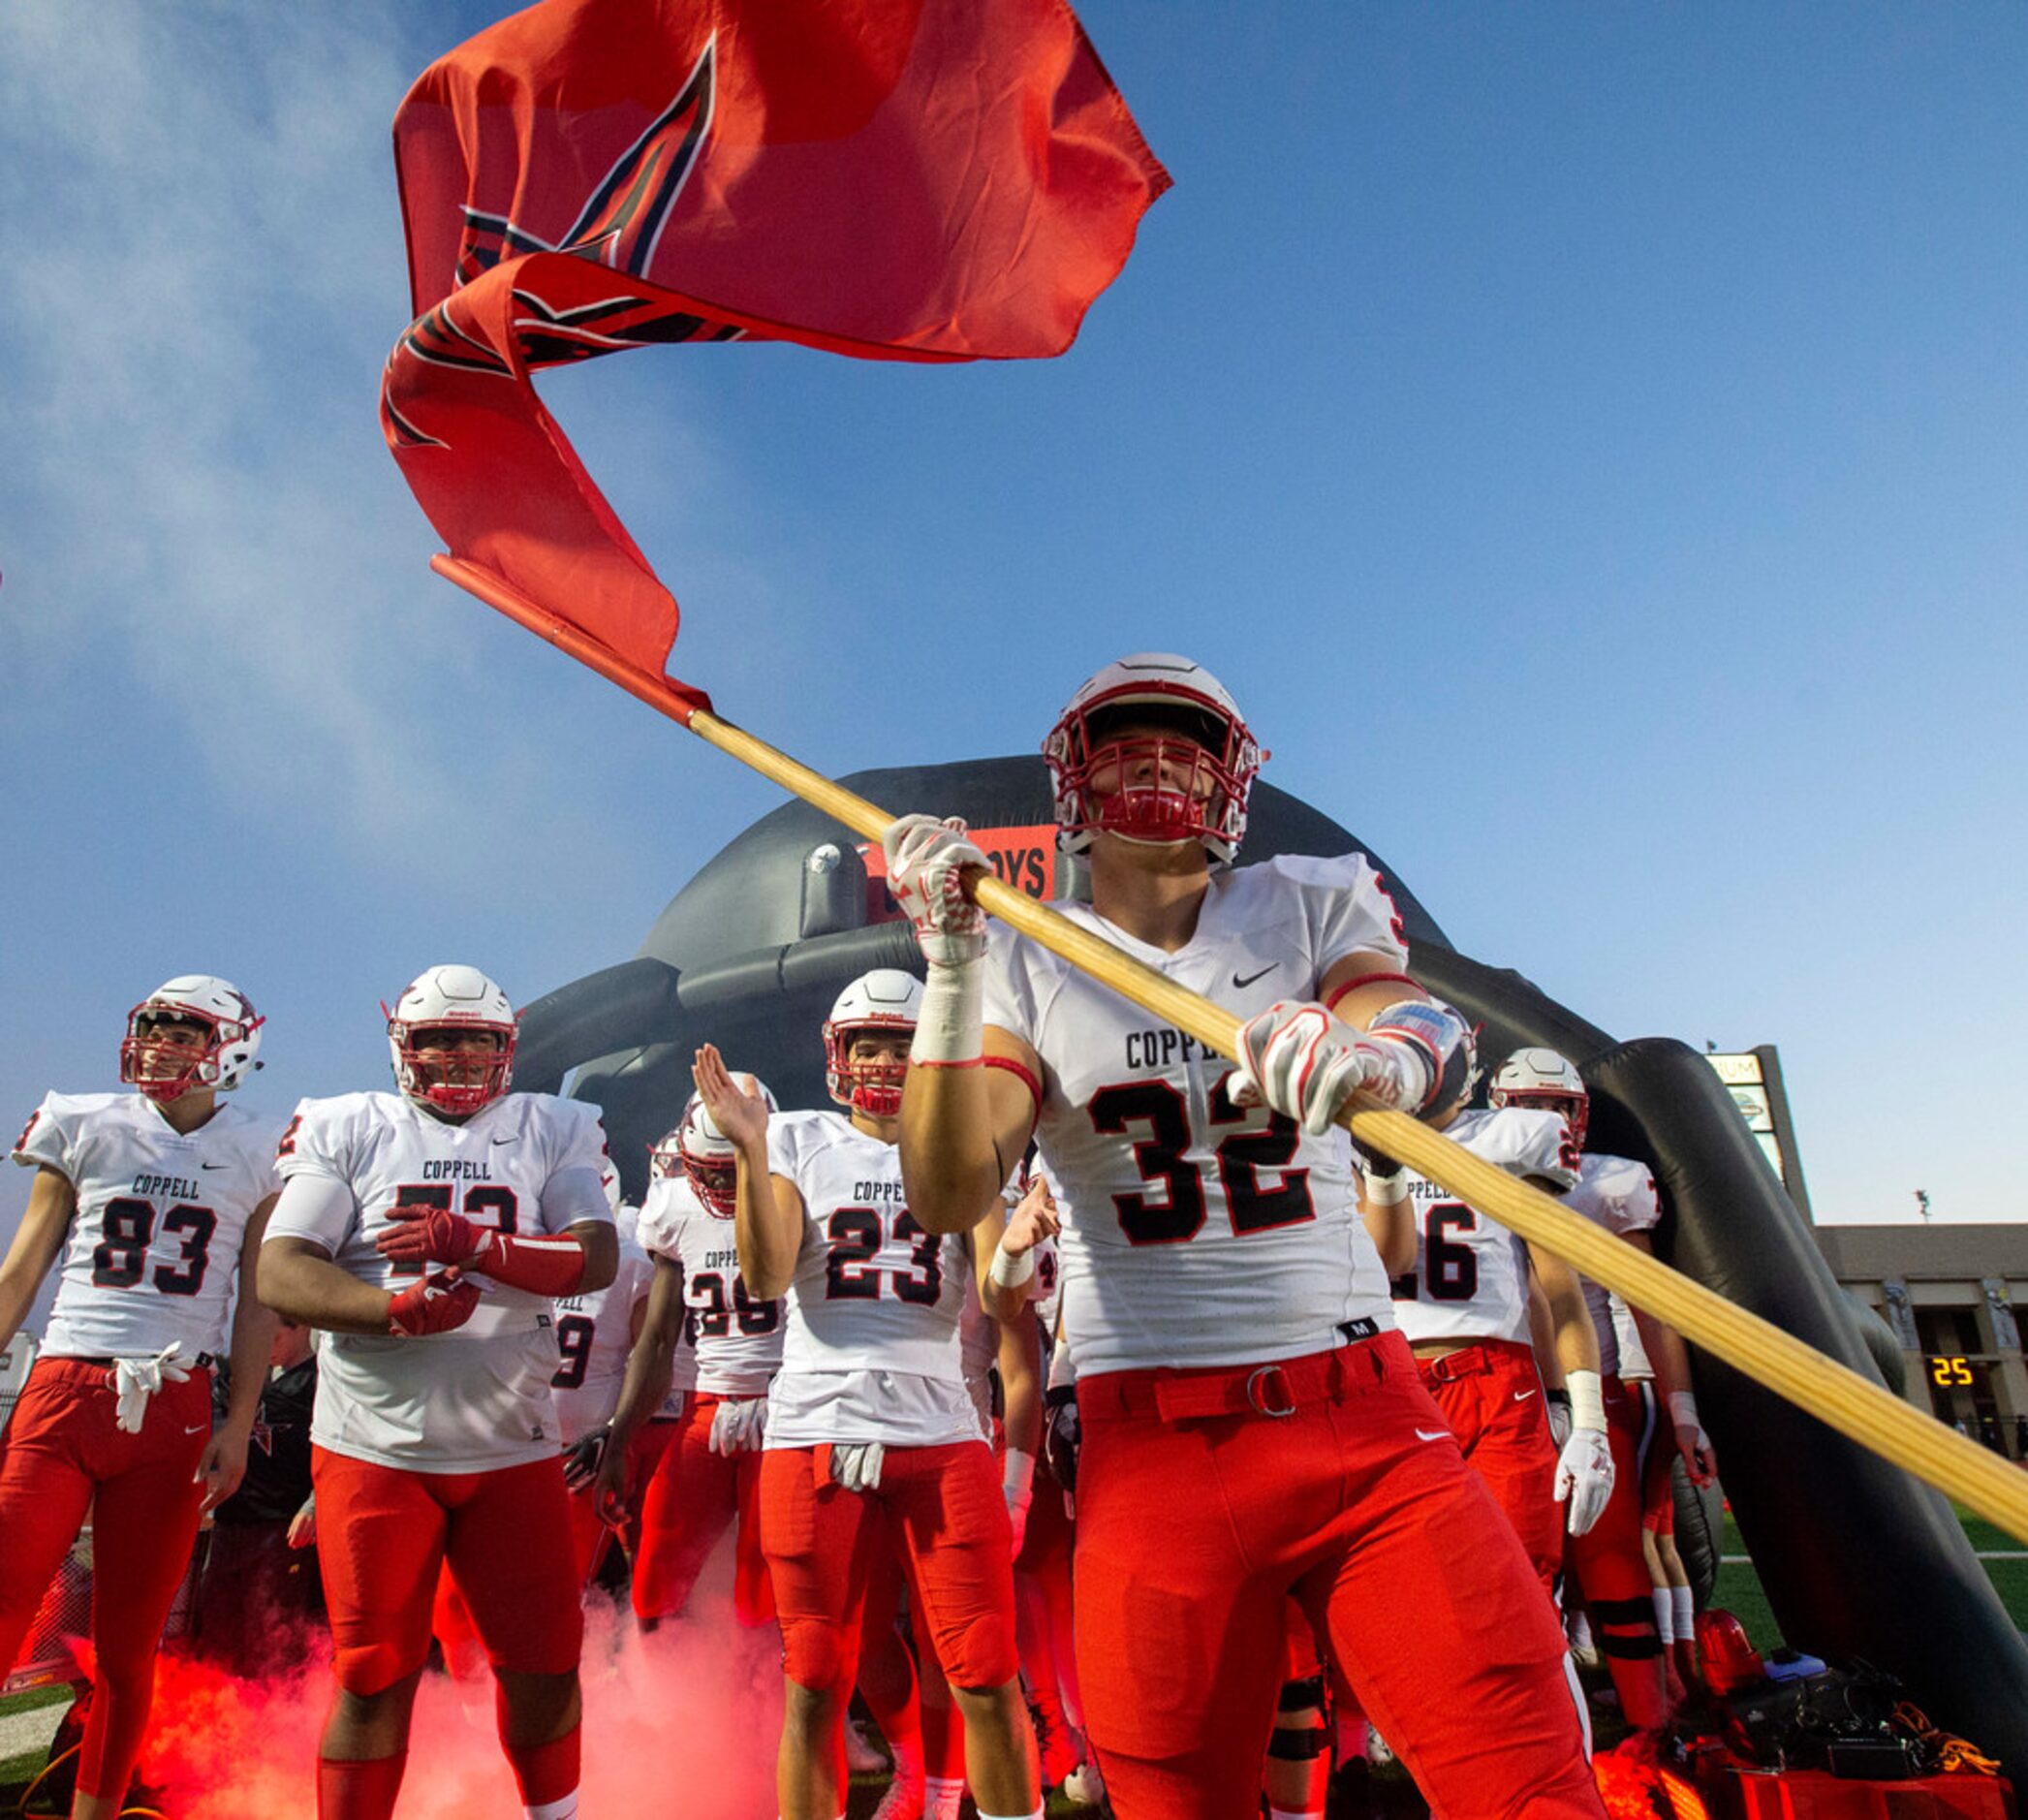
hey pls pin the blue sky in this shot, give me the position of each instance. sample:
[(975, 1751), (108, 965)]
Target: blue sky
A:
[(1588, 439)]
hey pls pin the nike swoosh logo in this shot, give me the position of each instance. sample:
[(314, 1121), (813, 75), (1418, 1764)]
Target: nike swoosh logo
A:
[(212, 1166), (203, 1428), (1425, 1435), (1521, 1396), (503, 1139), (1240, 986)]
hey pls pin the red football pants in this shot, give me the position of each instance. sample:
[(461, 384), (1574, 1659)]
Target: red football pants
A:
[(1198, 1514), (63, 1452), (1658, 1459), (940, 1508), (451, 1618), (1612, 1568), (1492, 1397), (693, 1496), (384, 1533)]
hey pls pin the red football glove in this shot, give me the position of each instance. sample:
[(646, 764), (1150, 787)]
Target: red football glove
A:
[(441, 1301), (429, 1235)]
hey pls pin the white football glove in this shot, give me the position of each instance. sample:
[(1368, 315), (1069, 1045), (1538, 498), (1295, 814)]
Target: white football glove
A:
[(926, 863), (1303, 1062), (1584, 1477), (136, 1380), (856, 1464), (735, 1425)]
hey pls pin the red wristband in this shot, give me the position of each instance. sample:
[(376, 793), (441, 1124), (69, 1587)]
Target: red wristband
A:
[(543, 1266)]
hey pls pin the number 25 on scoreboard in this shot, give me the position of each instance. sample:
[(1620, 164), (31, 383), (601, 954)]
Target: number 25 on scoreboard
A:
[(1950, 1372)]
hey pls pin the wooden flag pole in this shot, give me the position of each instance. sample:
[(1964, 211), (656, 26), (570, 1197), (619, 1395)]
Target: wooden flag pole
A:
[(1832, 1392)]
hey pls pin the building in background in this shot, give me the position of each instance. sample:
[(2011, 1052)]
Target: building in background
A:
[(1947, 1293)]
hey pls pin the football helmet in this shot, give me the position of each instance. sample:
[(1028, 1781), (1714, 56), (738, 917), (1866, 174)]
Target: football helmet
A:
[(1189, 781), (884, 999), (665, 1155), (453, 999), (1540, 1077), (167, 1071), (707, 1155)]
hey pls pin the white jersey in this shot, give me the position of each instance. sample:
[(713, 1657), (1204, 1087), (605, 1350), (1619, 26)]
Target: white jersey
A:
[(1196, 1232), (152, 1257), (594, 1334), (477, 1397), (1617, 1193), (1471, 1276), (738, 1337), (872, 1350)]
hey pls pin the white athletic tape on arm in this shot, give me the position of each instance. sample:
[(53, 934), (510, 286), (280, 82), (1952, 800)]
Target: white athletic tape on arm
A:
[(951, 1029), (1682, 1409), (1587, 1403), (1012, 1272), (1387, 1190)]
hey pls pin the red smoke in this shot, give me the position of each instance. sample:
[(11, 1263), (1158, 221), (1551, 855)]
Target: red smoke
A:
[(247, 1750)]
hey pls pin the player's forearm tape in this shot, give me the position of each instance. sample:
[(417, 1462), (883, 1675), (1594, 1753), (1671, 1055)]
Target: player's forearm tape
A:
[(1587, 1403), (543, 1266), (1682, 1409), (1017, 1474), (1012, 1272), (1387, 1190), (951, 1028)]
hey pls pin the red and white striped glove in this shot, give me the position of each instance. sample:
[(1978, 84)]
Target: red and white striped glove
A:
[(543, 1266), (925, 871), (1303, 1062)]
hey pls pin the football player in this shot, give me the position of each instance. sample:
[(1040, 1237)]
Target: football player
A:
[(154, 1202), (1618, 1194), (710, 1472), (430, 1232), (1253, 1424), (870, 1427), (1464, 1305)]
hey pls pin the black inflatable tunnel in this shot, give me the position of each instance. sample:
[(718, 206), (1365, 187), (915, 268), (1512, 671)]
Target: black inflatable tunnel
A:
[(1858, 1557)]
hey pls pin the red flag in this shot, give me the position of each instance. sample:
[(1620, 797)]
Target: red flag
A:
[(898, 180)]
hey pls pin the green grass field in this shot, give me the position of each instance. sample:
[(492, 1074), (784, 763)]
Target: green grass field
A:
[(1739, 1593)]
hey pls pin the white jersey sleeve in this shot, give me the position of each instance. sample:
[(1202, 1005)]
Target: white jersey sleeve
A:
[(1470, 1280), (872, 1349), (152, 1256), (478, 1396), (1197, 1231), (1619, 1194)]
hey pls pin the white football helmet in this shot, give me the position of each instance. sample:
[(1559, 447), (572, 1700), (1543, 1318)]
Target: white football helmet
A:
[(453, 999), (1188, 784), (165, 1071), (665, 1155), (707, 1155), (1540, 1077), (884, 999)]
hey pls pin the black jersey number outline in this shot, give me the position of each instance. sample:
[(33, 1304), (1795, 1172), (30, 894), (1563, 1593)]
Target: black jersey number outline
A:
[(856, 1234), (574, 1337), (126, 1229), (1162, 1157), (715, 1314)]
